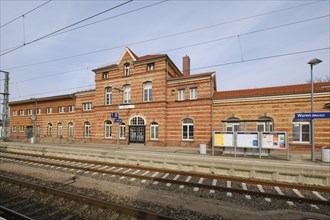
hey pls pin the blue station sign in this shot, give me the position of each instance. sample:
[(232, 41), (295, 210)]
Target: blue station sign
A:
[(114, 114), (118, 120), (313, 115)]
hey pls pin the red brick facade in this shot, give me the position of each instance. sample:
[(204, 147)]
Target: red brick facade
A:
[(163, 107)]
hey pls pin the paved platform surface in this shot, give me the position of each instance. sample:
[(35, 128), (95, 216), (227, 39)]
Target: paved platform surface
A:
[(299, 168)]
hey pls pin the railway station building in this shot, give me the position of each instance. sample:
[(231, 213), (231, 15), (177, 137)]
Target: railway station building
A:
[(160, 105)]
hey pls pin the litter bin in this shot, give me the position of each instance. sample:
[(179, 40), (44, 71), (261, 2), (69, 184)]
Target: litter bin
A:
[(202, 148), (325, 154), (33, 140)]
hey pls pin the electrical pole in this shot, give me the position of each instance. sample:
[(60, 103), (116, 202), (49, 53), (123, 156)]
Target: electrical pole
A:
[(5, 108)]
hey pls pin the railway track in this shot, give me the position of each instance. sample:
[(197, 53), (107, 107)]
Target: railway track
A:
[(290, 194)]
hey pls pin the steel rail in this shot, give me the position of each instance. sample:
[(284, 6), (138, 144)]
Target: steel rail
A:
[(136, 212), (11, 214), (189, 173), (199, 185)]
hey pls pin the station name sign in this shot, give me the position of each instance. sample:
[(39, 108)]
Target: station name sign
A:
[(310, 115)]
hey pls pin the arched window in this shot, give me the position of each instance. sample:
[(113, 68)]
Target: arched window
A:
[(154, 131), (71, 129), (108, 96), (127, 94), (108, 129), (137, 121), (49, 129), (187, 129), (147, 91), (127, 68), (122, 130), (301, 130), (232, 124), (87, 129), (59, 129), (266, 125)]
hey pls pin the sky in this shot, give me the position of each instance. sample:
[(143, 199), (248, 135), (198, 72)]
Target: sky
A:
[(249, 44)]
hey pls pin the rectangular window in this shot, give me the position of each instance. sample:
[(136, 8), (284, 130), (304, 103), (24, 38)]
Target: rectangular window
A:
[(15, 113), (49, 110), (14, 129), (108, 96), (30, 111), (38, 111), (71, 129), (105, 75), (181, 94), (87, 106), (71, 108), (122, 131), (127, 94), (193, 93), (21, 112), (301, 132), (232, 127), (61, 109), (154, 132), (21, 128), (147, 90), (150, 67)]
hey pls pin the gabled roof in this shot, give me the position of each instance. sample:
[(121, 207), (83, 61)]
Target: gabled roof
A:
[(269, 91), (127, 50)]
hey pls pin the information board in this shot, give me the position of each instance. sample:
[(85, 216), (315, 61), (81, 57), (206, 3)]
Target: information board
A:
[(273, 140), (224, 139), (247, 139)]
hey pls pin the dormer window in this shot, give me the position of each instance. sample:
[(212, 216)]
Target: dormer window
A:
[(150, 67), (127, 69)]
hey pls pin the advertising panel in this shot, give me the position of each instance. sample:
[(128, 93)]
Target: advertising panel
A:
[(247, 139), (273, 140), (224, 139)]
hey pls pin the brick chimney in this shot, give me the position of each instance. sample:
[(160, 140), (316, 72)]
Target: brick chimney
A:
[(186, 65)]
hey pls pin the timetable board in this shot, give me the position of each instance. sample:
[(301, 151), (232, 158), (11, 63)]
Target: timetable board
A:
[(224, 139), (273, 140), (247, 139)]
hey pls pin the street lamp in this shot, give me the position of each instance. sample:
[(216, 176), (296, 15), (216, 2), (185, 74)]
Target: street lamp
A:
[(34, 119), (313, 62), (119, 90)]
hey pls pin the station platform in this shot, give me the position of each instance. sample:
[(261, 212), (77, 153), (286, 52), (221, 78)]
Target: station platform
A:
[(299, 168)]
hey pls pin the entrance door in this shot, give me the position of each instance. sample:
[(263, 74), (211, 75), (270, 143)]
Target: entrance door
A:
[(137, 134), (29, 131)]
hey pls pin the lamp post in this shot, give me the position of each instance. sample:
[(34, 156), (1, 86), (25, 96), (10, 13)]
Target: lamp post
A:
[(119, 91), (34, 119), (313, 62)]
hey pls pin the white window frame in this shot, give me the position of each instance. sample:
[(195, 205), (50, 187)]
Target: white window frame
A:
[(71, 108), (87, 130), (193, 93), (49, 110), (300, 124), (105, 75), (264, 126), (150, 67), (181, 94), (108, 95), (21, 128), (21, 112), (49, 129), (233, 126), (14, 129), (14, 112), (188, 126), (122, 130), (127, 94), (71, 129), (87, 106), (30, 111), (127, 69), (59, 129), (154, 131), (147, 91), (108, 129), (38, 111), (61, 109)]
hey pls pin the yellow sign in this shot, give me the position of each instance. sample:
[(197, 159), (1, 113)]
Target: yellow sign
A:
[(219, 140)]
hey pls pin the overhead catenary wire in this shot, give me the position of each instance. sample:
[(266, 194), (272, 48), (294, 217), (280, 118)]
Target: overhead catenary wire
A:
[(66, 27), (11, 21), (204, 67), (158, 38), (191, 45)]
